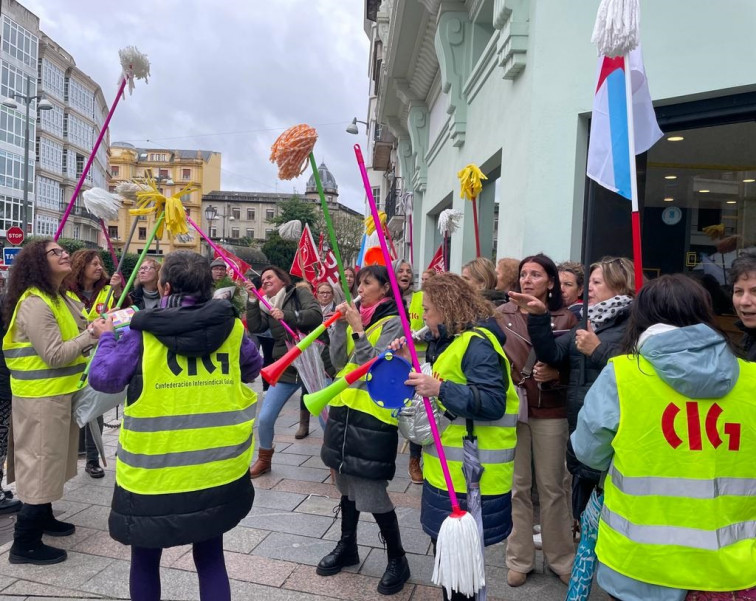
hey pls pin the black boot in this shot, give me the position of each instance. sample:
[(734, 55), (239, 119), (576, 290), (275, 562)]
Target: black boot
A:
[(27, 539), (397, 571), (54, 527), (346, 552)]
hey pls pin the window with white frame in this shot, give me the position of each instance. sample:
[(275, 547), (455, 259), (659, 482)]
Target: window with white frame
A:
[(80, 97), (12, 171), (80, 132), (49, 193), (20, 43), (12, 127), (50, 155), (51, 120), (251, 216), (45, 226), (10, 211), (53, 79), (13, 81), (69, 164)]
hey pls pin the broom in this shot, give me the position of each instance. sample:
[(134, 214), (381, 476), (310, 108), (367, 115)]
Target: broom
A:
[(459, 562)]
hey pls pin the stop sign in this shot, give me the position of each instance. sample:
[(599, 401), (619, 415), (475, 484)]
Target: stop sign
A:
[(14, 235)]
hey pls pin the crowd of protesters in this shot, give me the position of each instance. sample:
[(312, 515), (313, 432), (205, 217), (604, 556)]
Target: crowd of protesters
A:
[(569, 381)]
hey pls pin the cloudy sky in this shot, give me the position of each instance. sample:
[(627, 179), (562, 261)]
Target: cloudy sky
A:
[(228, 76)]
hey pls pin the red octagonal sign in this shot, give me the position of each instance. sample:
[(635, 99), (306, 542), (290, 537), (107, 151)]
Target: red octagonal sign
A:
[(14, 235)]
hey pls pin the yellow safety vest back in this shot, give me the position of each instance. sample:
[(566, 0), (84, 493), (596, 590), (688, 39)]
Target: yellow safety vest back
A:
[(191, 426), (416, 319), (356, 396), (30, 376), (98, 306), (679, 507), (496, 439)]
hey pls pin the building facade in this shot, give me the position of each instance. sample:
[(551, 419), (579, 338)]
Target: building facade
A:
[(508, 85), (172, 170)]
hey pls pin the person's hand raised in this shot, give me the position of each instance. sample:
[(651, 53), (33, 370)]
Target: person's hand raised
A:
[(528, 303)]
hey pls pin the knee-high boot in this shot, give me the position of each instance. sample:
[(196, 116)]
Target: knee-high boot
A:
[(397, 571), (346, 552), (27, 538)]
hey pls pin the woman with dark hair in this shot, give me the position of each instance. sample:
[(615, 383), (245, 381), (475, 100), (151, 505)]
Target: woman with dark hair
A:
[(743, 278), (360, 437), (585, 352), (470, 380), (678, 500), (571, 278), (298, 308), (186, 439), (44, 349), (350, 273), (89, 284), (146, 294), (542, 430)]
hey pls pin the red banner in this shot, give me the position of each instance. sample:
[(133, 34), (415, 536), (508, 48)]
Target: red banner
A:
[(306, 262), (238, 263), (437, 262), (329, 270)]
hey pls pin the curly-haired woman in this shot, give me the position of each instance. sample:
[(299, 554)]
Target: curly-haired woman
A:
[(44, 349)]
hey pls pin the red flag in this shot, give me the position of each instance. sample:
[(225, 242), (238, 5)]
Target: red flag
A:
[(238, 263), (306, 262), (437, 262), (329, 270)]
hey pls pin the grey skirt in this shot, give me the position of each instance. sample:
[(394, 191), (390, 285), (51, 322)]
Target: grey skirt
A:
[(370, 496)]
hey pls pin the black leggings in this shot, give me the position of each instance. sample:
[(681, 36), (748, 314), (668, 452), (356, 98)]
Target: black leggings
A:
[(144, 580)]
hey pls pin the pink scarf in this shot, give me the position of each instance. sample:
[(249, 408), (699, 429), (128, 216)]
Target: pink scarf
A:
[(366, 313)]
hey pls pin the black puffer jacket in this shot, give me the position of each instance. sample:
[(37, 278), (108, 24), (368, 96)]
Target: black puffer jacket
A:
[(159, 521), (356, 443), (748, 342), (301, 312), (562, 351)]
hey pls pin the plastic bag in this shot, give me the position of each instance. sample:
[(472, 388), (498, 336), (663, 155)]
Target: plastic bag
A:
[(412, 419), (89, 404)]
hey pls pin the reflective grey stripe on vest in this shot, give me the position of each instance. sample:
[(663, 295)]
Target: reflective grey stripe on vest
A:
[(509, 420), (708, 540), (683, 487), (15, 353), (484, 455), (183, 458), (189, 422), (46, 374)]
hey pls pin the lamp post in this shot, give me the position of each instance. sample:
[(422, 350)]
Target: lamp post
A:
[(352, 127), (211, 214), (42, 105)]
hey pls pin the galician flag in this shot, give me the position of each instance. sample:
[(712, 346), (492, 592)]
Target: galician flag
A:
[(608, 150)]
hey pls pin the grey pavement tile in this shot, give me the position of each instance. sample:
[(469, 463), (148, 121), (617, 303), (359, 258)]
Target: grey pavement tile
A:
[(308, 488), (253, 592), (285, 521), (243, 540), (102, 545), (73, 573), (399, 484), (46, 591), (93, 495), (344, 585), (300, 549), (307, 474), (276, 499), (421, 566), (83, 478), (69, 542), (496, 555), (5, 582), (414, 540), (314, 461), (408, 517), (94, 516), (7, 526), (318, 505), (250, 568), (290, 459), (64, 508), (303, 448)]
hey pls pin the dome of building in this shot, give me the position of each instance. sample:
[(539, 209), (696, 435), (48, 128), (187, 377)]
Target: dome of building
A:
[(326, 178)]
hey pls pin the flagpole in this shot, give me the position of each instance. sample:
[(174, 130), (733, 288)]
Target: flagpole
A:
[(637, 251)]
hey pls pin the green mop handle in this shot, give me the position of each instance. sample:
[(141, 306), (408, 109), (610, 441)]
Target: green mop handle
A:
[(331, 233), (123, 255), (125, 290)]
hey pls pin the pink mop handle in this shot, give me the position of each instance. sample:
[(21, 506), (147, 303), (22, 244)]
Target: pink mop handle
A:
[(235, 269), (84, 173), (110, 244), (406, 327)]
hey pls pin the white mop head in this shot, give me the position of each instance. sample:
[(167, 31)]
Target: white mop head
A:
[(617, 28), (129, 190), (291, 230), (135, 65), (102, 203), (459, 564), (449, 220)]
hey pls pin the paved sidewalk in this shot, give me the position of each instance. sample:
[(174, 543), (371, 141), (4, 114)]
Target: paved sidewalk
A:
[(270, 556)]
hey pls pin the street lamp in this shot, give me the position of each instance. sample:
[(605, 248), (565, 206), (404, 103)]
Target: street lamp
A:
[(352, 127), (42, 105), (211, 214)]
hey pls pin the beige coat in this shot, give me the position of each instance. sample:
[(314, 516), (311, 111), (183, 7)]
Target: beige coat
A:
[(43, 449)]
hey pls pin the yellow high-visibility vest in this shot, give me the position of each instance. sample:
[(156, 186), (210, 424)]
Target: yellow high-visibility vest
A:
[(416, 319), (191, 426), (496, 439), (679, 507), (356, 396), (98, 306), (30, 376)]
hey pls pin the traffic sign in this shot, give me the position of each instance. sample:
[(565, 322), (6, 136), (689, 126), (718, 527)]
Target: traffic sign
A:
[(9, 255), (14, 235)]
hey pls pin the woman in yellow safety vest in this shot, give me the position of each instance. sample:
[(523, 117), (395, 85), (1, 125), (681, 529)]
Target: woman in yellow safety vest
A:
[(673, 423), (186, 439), (44, 349), (360, 438), (89, 284), (470, 379)]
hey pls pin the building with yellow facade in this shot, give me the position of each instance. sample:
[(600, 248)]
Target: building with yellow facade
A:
[(172, 170)]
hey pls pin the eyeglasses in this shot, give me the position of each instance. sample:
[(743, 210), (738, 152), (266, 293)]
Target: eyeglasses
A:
[(325, 293), (58, 252), (146, 267)]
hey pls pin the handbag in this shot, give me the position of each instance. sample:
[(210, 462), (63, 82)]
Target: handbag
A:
[(522, 393), (412, 419)]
